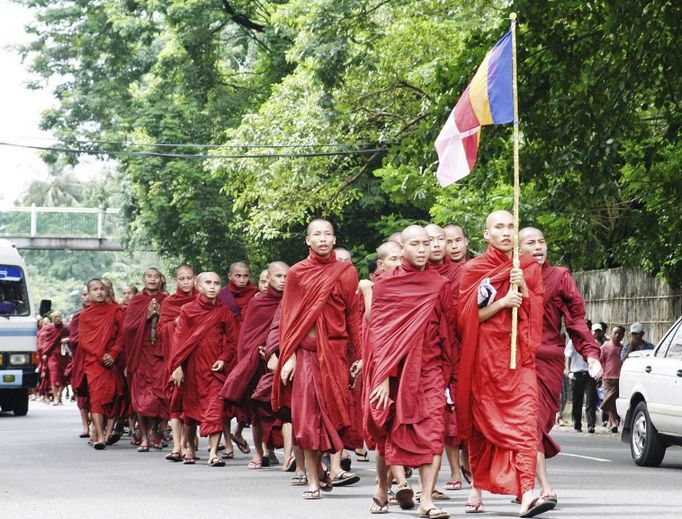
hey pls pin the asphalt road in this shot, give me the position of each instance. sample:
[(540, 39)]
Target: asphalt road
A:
[(47, 471)]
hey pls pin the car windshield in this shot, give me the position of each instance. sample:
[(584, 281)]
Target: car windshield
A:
[(13, 292), (675, 349)]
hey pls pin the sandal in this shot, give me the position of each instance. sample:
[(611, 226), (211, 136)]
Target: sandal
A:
[(362, 456), (227, 455), (216, 462), (174, 456), (113, 438), (143, 448), (290, 465), (344, 478), (378, 507), (433, 513), (253, 464), (437, 495), (345, 463), (538, 506), (392, 501), (466, 474), (311, 494), (189, 461), (405, 496), (299, 480), (272, 458), (453, 484), (551, 497), (242, 445), (99, 446), (326, 483), (474, 508), (84, 435)]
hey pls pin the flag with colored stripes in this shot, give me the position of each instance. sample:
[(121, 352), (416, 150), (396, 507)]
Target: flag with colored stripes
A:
[(487, 100)]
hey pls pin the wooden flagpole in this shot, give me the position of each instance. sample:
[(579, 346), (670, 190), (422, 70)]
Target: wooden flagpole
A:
[(517, 190)]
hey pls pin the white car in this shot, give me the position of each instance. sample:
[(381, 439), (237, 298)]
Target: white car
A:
[(650, 399)]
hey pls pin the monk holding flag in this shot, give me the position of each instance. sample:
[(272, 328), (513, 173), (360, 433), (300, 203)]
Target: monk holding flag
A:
[(496, 405), (561, 301), (144, 358), (319, 317), (185, 293), (204, 342), (411, 336), (101, 340)]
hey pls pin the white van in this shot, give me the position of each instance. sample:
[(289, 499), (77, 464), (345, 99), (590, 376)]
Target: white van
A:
[(18, 356)]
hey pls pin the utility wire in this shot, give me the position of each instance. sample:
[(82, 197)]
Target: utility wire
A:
[(186, 156)]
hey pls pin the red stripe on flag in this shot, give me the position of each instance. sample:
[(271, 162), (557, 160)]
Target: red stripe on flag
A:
[(465, 117), (470, 144)]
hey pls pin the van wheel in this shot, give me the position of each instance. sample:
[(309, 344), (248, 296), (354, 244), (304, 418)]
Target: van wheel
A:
[(20, 405), (646, 446)]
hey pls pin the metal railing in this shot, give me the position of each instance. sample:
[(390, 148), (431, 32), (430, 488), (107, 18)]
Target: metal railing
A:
[(61, 222)]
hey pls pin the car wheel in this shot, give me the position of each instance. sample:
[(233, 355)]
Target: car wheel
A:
[(646, 446), (20, 405)]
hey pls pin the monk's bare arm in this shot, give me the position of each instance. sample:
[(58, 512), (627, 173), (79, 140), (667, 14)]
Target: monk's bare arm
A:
[(366, 288)]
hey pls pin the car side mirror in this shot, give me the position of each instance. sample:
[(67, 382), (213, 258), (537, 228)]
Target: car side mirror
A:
[(45, 307)]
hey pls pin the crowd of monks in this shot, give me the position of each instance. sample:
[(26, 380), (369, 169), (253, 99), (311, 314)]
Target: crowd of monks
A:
[(412, 363)]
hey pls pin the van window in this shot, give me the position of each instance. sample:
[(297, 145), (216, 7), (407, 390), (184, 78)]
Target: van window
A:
[(13, 291)]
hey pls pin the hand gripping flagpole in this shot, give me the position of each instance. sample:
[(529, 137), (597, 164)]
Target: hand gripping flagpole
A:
[(517, 190)]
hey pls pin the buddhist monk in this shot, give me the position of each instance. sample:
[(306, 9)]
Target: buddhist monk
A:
[(562, 300), (203, 344), (457, 243), (75, 369), (111, 292), (495, 405), (127, 294), (412, 339), (318, 319), (243, 380), (263, 282), (101, 340), (53, 336), (396, 237), (145, 366), (440, 261), (185, 293)]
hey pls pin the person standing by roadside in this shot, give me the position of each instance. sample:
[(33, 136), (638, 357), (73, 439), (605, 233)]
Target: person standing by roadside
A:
[(610, 359), (637, 341), (584, 389)]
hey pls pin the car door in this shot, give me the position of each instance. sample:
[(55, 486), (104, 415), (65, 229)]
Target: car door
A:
[(667, 370)]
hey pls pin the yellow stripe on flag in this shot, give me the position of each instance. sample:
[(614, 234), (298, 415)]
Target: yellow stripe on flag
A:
[(478, 93)]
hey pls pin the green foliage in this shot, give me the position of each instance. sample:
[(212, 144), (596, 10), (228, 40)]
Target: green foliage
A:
[(599, 87)]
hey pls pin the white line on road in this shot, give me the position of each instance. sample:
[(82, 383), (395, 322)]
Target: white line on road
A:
[(584, 457)]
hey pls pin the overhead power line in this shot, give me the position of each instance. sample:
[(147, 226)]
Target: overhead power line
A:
[(189, 156)]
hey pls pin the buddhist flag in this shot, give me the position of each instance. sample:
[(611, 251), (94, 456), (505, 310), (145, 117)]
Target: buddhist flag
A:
[(487, 100)]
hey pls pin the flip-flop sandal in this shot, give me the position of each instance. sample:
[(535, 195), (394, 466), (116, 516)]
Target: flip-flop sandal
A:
[(189, 461), (242, 445), (299, 480), (216, 462), (434, 513), (227, 455), (345, 463), (84, 435), (290, 465), (99, 446), (453, 485), (113, 439), (538, 506), (466, 474), (266, 461), (345, 478), (174, 456), (405, 497), (221, 447), (551, 497), (255, 464), (157, 445), (392, 501), (378, 507), (474, 508), (326, 483), (143, 448), (312, 494), (362, 456), (272, 458), (437, 495)]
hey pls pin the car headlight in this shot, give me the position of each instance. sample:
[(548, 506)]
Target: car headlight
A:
[(19, 359)]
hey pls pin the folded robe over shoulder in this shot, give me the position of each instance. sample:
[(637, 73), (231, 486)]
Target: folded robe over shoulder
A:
[(412, 345), (101, 331), (242, 298), (496, 406), (320, 293), (144, 359), (562, 300), (244, 378)]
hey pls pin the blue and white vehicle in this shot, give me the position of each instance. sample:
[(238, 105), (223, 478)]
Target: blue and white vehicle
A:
[(18, 356)]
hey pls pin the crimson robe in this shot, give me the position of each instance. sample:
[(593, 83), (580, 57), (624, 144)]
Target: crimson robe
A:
[(496, 406), (205, 333), (562, 300), (75, 370), (101, 331), (52, 348), (242, 298), (145, 367), (166, 329), (411, 338), (321, 293)]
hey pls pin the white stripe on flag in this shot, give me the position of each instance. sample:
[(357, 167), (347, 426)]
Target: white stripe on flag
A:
[(452, 160)]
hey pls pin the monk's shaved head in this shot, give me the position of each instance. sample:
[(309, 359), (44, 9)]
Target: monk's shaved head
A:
[(454, 228), (432, 227), (457, 244), (208, 275), (529, 231), (411, 231), (396, 237), (276, 266), (499, 231), (497, 216), (532, 243), (388, 248), (416, 244), (238, 265), (208, 284), (316, 223), (438, 243), (343, 254), (277, 275)]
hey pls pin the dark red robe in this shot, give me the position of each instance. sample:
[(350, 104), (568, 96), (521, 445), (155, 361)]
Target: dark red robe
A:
[(495, 405), (320, 293), (75, 370), (411, 337), (561, 300), (205, 333), (52, 347), (101, 331), (166, 329), (242, 298), (145, 366)]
